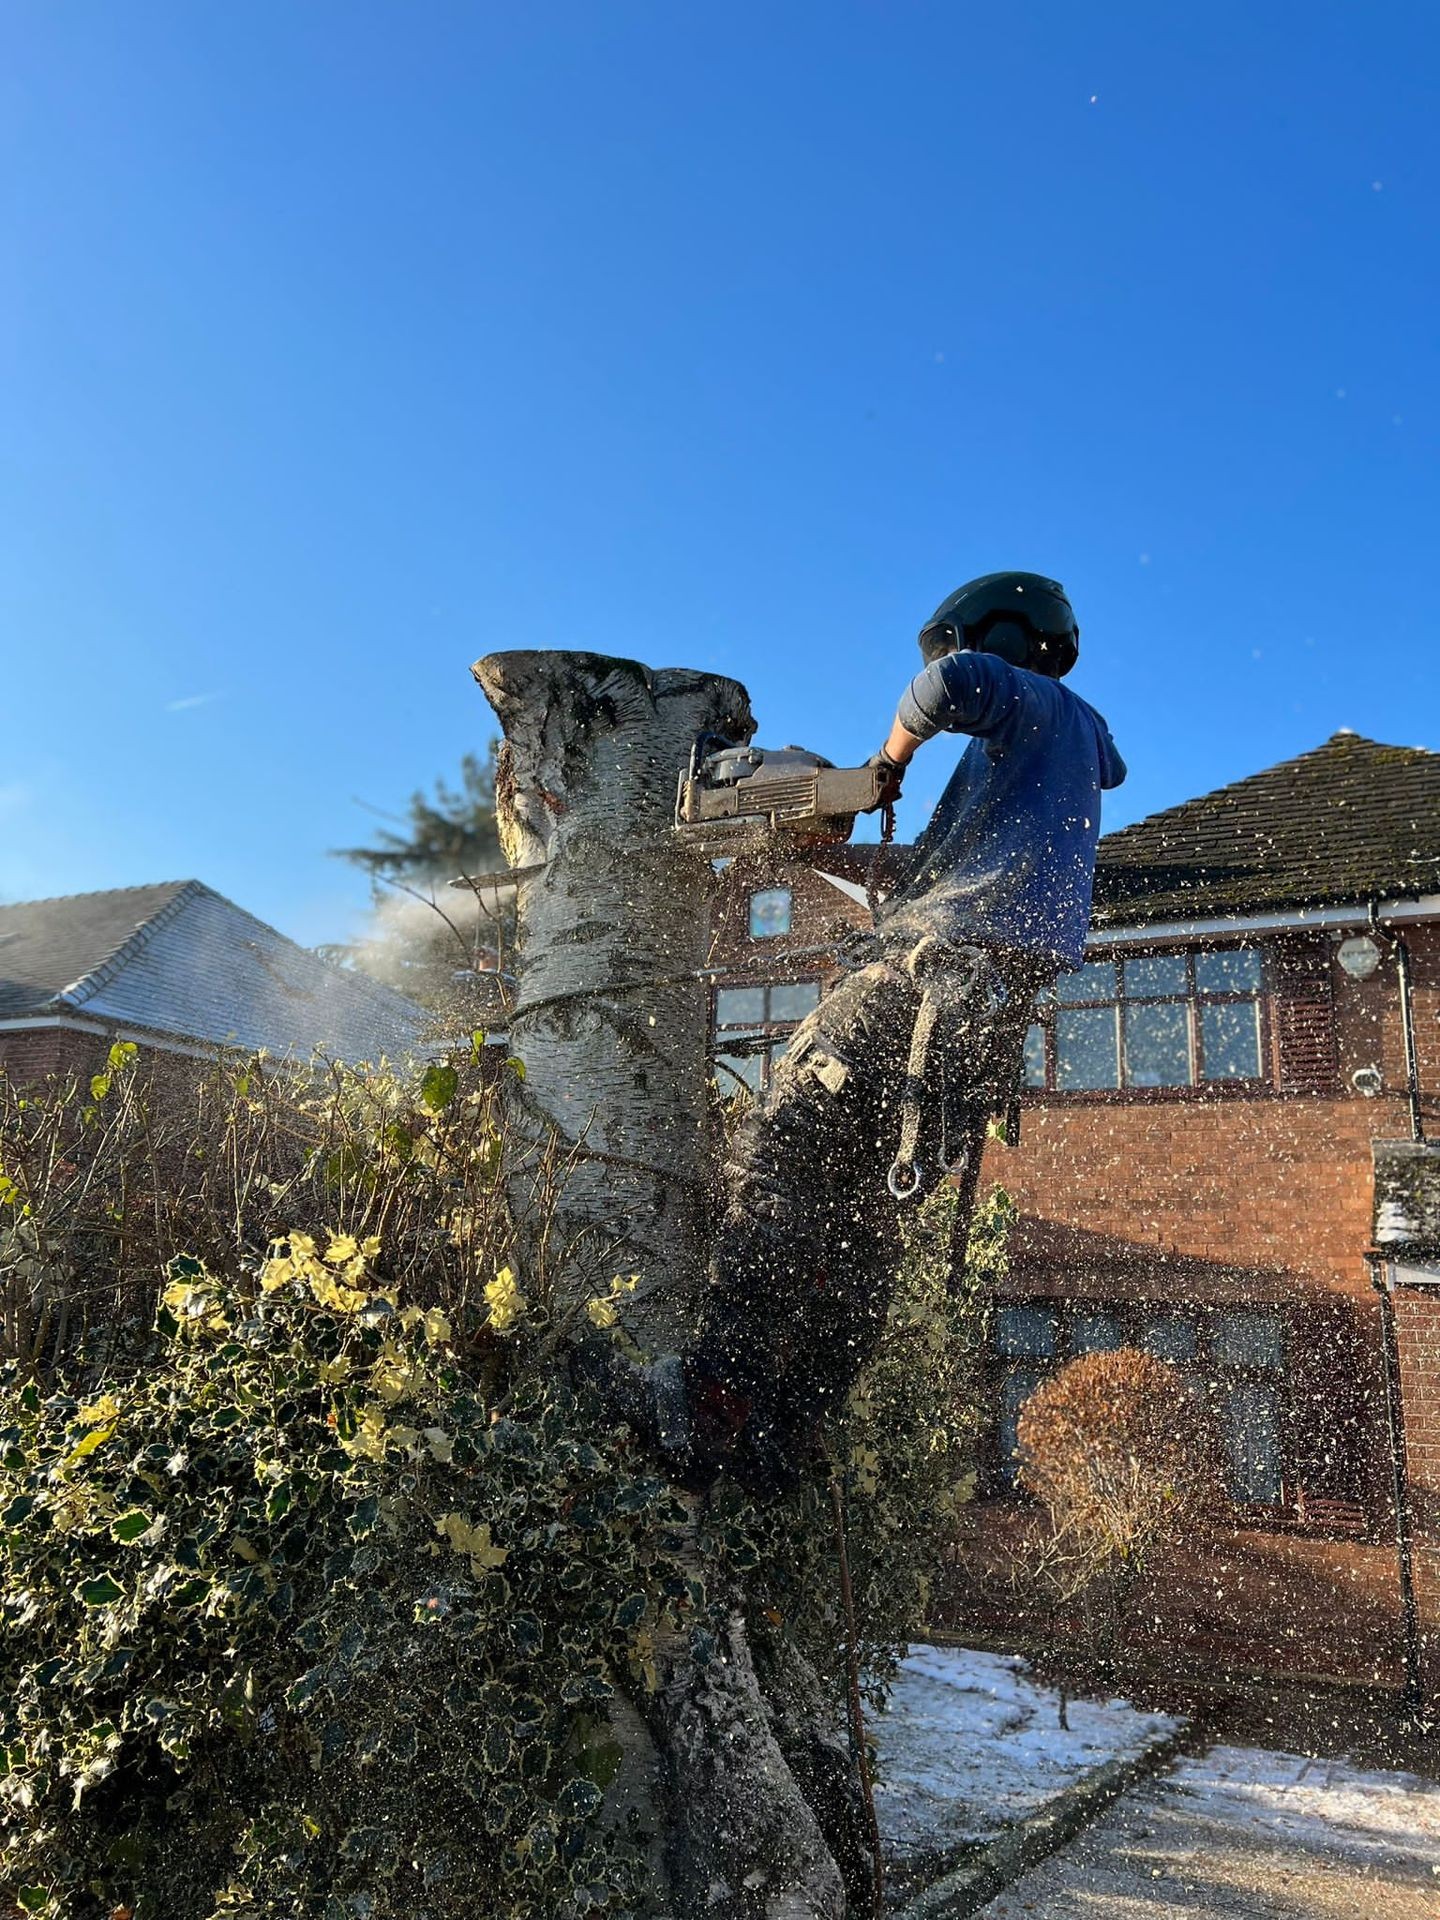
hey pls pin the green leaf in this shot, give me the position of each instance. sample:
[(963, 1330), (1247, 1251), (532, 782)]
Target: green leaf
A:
[(631, 1611), (602, 1762), (579, 1799), (19, 1509), (438, 1086), (517, 1067), (33, 1899), (101, 1592), (99, 1085), (305, 1688), (130, 1526)]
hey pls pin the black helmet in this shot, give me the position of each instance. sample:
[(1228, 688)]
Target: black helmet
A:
[(1023, 617)]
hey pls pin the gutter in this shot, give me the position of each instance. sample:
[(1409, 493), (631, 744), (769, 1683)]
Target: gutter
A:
[(1299, 918)]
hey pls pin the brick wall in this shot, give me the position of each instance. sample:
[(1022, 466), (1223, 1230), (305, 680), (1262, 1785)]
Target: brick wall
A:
[(1281, 1184), (30, 1054)]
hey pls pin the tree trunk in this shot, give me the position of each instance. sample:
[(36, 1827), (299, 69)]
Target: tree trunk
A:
[(612, 1026), (612, 1018)]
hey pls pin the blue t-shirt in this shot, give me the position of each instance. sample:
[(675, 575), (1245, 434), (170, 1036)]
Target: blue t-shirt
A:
[(1009, 857)]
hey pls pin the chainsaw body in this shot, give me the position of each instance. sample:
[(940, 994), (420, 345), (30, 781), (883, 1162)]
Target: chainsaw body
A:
[(733, 796)]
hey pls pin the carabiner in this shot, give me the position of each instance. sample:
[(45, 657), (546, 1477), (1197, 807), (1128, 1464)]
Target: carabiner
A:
[(895, 1179)]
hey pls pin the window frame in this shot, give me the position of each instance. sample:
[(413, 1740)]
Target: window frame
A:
[(753, 894), (765, 1038), (1264, 1085)]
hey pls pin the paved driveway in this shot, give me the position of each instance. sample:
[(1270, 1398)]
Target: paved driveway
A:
[(1244, 1833)]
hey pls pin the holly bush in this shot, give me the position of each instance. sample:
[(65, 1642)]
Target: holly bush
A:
[(300, 1619), (318, 1581)]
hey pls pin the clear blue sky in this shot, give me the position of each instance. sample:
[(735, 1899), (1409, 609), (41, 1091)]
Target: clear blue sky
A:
[(343, 342)]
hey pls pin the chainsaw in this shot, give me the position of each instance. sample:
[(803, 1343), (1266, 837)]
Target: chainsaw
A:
[(732, 796)]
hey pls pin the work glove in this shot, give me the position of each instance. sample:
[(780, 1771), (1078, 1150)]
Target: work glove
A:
[(892, 778)]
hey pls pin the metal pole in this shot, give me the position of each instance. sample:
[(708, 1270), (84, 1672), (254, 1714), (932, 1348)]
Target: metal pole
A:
[(1407, 1031), (1407, 1015), (1400, 1488)]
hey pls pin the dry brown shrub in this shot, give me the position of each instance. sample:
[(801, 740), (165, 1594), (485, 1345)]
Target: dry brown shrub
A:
[(1122, 1455)]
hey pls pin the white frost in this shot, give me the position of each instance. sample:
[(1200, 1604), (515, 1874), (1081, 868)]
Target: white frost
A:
[(971, 1743)]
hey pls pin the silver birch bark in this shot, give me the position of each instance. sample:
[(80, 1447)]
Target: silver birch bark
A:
[(612, 1015), (612, 1026)]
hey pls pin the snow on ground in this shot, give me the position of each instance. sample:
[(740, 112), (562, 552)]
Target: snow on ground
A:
[(1286, 1800), (970, 1744), (1239, 1833)]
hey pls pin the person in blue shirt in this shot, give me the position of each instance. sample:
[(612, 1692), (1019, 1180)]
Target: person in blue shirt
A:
[(886, 1088)]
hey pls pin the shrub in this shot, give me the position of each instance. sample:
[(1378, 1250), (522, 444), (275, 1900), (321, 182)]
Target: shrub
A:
[(303, 1619), (1122, 1455), (318, 1580)]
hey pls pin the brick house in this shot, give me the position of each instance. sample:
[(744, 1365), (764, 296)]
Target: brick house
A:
[(1195, 1174), (182, 971)]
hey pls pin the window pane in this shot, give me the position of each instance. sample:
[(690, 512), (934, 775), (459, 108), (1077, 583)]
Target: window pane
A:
[(1093, 982), (746, 1067), (1015, 1389), (1169, 1336), (1156, 973), (1025, 1330), (770, 913), (1230, 1040), (1095, 1333), (1157, 1045), (1233, 970), (1085, 1050), (1250, 1422), (794, 1000), (1035, 1056), (739, 1006), (1248, 1340)]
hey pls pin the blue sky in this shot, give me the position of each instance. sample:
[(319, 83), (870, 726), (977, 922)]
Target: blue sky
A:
[(342, 343)]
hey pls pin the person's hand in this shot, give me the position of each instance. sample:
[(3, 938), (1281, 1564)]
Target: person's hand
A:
[(892, 776)]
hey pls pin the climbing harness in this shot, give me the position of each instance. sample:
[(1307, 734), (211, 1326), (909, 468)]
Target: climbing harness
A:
[(948, 977)]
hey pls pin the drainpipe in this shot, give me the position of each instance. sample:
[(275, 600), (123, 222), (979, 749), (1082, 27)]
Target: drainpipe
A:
[(1382, 1279), (1401, 949)]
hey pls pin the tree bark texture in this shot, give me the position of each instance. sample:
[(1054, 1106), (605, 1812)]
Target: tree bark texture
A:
[(612, 1025), (612, 1016)]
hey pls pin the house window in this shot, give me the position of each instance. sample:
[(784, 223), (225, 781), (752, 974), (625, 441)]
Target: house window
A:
[(770, 912), (753, 1025), (1235, 1357), (1150, 1020)]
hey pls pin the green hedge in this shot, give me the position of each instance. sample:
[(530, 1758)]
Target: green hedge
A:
[(314, 1598)]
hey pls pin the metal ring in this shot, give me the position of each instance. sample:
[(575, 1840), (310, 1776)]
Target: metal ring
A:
[(896, 1176)]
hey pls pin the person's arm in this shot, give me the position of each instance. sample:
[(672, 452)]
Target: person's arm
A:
[(900, 745), (963, 693)]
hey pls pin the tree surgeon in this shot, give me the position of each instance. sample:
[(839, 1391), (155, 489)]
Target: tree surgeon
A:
[(887, 1086)]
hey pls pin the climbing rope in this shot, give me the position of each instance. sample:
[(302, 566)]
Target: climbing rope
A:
[(947, 976)]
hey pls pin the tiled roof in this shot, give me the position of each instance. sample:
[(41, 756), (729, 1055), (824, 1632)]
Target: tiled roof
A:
[(49, 948), (1350, 821), (180, 960)]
